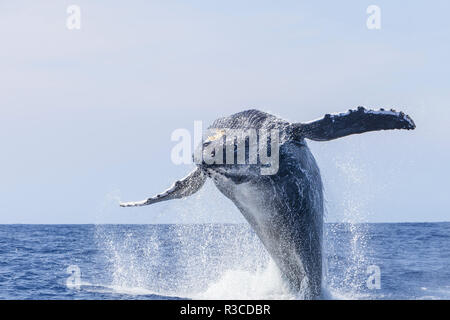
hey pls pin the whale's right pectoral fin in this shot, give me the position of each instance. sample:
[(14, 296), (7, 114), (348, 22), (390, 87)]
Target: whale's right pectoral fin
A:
[(180, 189), (334, 126)]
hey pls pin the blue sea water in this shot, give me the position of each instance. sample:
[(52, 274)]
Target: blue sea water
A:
[(216, 261)]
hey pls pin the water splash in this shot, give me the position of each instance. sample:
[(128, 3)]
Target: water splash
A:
[(216, 261), (346, 245), (227, 261), (264, 283)]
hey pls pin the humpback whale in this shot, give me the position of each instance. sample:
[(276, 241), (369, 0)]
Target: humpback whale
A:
[(285, 209)]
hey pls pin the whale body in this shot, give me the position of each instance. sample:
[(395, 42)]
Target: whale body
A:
[(285, 209)]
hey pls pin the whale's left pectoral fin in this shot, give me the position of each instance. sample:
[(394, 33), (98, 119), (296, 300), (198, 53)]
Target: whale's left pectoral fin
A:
[(180, 189), (334, 126)]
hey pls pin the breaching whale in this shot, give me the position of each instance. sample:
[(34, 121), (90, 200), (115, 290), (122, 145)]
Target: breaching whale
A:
[(285, 209)]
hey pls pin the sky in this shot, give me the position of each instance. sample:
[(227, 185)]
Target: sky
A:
[(86, 115)]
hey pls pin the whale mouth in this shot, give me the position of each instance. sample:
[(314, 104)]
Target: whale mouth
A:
[(235, 174)]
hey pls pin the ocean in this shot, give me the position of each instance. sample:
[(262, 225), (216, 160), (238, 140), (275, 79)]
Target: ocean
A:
[(216, 261)]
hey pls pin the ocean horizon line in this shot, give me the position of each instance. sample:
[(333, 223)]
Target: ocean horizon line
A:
[(213, 223)]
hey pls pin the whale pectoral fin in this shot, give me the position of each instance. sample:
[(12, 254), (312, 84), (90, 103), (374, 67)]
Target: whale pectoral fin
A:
[(180, 189), (353, 122)]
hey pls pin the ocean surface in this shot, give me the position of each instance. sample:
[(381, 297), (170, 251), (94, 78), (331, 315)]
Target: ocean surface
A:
[(216, 261)]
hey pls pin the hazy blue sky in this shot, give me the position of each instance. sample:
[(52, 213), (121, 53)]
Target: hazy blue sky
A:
[(86, 115)]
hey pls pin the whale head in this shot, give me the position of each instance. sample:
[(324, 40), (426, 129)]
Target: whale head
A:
[(239, 155)]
